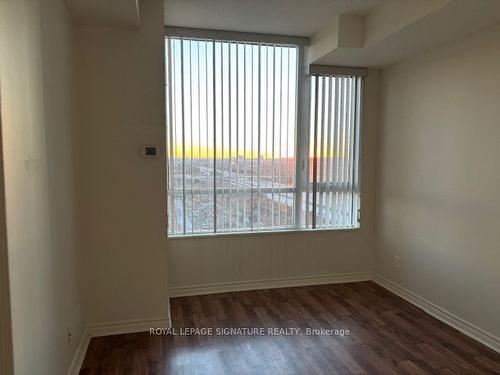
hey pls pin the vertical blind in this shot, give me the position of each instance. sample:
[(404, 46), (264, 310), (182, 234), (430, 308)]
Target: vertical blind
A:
[(235, 163), (231, 111), (333, 188)]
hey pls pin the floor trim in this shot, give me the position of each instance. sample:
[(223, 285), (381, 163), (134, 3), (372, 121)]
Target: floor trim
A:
[(127, 326), (239, 286), (441, 314), (81, 350)]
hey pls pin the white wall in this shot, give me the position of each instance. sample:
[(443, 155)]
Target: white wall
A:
[(438, 205), (6, 355), (255, 257), (37, 130), (122, 196), (121, 96)]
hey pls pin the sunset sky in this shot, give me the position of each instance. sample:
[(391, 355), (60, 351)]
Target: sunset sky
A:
[(237, 99)]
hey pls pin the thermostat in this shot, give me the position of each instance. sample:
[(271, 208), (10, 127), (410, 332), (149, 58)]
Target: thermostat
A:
[(149, 151)]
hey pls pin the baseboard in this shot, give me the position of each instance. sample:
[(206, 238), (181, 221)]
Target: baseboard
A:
[(127, 326), (108, 329), (441, 314), (81, 350), (238, 286)]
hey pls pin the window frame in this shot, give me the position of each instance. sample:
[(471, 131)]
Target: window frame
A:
[(316, 72), (302, 128)]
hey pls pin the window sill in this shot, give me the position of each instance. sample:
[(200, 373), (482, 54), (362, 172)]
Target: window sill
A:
[(262, 232)]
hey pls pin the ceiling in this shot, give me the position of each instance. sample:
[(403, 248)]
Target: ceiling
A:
[(366, 33), (284, 17), (393, 32), (106, 12)]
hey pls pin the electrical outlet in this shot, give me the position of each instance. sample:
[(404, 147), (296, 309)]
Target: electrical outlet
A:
[(69, 334), (396, 261)]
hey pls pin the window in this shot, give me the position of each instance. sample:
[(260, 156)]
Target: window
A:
[(232, 141), (333, 182)]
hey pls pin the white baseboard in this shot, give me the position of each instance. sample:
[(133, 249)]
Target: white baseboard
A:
[(238, 286), (81, 350), (108, 329), (441, 314), (127, 326)]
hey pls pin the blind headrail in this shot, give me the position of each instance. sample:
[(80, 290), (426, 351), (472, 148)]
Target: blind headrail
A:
[(223, 35), (333, 70)]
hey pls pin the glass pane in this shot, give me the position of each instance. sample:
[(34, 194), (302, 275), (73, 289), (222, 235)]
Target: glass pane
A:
[(231, 113), (333, 190)]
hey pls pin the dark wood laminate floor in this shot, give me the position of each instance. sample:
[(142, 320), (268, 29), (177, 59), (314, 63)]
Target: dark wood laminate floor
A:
[(388, 336)]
